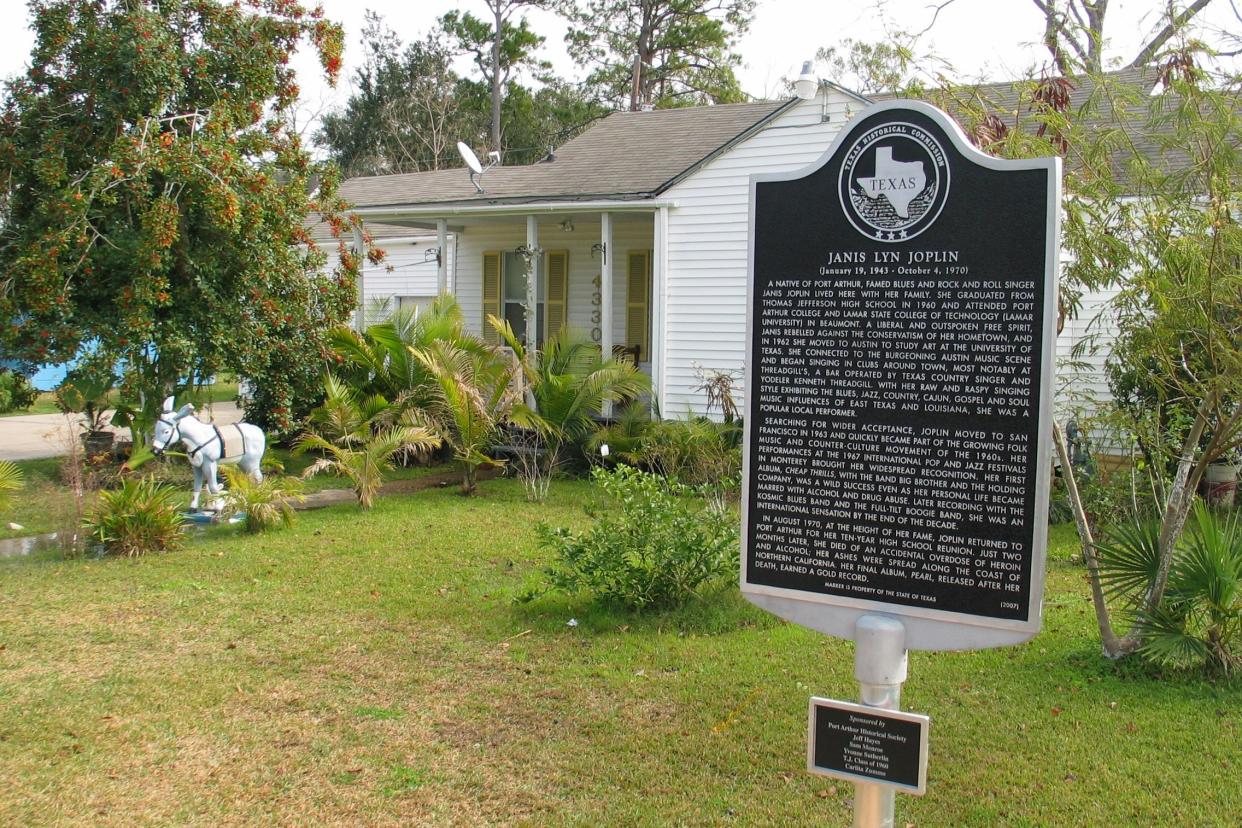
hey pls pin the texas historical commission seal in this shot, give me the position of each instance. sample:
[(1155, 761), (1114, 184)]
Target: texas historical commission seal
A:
[(894, 182)]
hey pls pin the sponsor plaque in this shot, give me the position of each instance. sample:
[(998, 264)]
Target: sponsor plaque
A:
[(899, 369), (868, 744)]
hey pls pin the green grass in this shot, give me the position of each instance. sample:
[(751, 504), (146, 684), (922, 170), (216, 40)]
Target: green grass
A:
[(372, 669), (45, 403), (46, 505), (223, 390)]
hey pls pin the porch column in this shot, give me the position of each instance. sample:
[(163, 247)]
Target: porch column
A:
[(605, 296), (532, 292), (659, 288), (442, 270), (360, 318)]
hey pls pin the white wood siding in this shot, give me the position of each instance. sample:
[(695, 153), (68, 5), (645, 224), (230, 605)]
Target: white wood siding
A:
[(1082, 384), (403, 272), (705, 298)]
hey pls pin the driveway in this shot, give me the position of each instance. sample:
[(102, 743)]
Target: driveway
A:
[(47, 435)]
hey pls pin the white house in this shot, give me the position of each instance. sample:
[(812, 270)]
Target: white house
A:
[(637, 230)]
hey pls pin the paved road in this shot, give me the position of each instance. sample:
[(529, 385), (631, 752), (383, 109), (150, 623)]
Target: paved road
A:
[(47, 435)]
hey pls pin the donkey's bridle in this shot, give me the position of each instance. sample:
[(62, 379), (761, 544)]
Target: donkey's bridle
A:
[(172, 438)]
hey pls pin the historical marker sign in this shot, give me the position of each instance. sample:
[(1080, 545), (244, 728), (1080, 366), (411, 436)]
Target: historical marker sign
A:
[(868, 744), (901, 312)]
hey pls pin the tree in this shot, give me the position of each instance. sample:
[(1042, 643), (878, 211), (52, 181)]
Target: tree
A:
[(892, 65), (411, 107), (1162, 226), (498, 47), (405, 115), (1074, 32), (152, 198), (659, 52)]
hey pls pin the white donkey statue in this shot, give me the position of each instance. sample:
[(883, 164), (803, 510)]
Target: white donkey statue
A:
[(208, 446)]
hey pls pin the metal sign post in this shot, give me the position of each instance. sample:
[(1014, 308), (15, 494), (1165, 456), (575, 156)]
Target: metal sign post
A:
[(880, 668), (897, 460)]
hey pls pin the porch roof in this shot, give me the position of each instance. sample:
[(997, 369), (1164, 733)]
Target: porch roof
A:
[(626, 156), (321, 233)]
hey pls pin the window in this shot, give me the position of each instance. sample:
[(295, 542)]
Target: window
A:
[(513, 275), (504, 293), (421, 303), (638, 304)]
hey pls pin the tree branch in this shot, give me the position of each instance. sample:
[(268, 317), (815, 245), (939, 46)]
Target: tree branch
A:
[(1162, 37)]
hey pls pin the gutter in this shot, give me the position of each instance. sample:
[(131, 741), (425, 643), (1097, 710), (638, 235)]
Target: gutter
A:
[(514, 209)]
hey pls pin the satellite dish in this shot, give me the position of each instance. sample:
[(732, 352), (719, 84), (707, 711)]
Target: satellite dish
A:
[(467, 155)]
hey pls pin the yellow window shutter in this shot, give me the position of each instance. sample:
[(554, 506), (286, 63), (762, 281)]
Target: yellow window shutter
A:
[(557, 292), (491, 295), (638, 303)]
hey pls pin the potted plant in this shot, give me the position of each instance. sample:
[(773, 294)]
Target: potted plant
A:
[(1220, 480), (85, 393)]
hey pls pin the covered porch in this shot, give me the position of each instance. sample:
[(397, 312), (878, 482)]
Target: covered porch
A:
[(598, 269)]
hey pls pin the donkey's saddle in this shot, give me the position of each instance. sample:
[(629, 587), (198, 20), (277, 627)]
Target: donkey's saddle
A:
[(232, 441)]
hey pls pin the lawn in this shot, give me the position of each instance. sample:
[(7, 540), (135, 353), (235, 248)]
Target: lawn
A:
[(45, 504), (372, 669)]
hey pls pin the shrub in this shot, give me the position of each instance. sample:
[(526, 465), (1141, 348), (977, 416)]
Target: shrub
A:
[(266, 504), (16, 392), (141, 516), (1199, 619), (654, 545)]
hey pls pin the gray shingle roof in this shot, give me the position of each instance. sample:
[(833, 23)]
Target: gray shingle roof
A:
[(627, 155)]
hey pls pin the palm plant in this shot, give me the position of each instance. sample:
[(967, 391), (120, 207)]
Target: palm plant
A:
[(142, 516), (569, 381), (1199, 619), (381, 361), (265, 504), (10, 480), (357, 439), (474, 397)]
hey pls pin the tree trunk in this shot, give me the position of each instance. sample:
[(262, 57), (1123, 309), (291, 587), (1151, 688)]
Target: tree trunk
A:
[(1113, 646), (496, 78), (469, 481), (1177, 507)]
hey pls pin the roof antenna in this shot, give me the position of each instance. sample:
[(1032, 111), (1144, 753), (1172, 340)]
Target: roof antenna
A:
[(472, 161)]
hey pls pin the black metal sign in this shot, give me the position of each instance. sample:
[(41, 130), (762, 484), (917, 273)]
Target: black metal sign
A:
[(868, 744), (901, 311)]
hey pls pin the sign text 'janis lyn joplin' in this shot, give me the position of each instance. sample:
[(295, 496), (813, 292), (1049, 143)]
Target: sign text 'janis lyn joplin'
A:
[(899, 373)]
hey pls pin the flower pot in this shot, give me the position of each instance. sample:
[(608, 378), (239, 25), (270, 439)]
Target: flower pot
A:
[(96, 443), (1221, 483)]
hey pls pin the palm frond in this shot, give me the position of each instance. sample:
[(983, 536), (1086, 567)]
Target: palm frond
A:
[(1210, 565), (11, 479), (1129, 558)]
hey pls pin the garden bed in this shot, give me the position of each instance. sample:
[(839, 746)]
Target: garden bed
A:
[(371, 668)]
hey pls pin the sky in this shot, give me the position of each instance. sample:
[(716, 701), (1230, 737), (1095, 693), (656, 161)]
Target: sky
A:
[(982, 39)]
